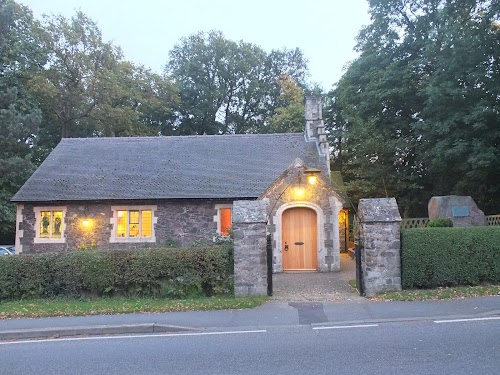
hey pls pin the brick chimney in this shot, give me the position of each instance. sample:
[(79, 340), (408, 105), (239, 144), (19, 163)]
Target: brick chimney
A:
[(315, 127)]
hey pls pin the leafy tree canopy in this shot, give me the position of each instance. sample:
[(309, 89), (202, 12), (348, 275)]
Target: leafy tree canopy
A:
[(426, 86), (227, 86), (88, 90), (289, 116), (19, 115)]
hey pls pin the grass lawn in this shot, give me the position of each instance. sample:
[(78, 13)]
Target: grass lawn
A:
[(440, 293), (436, 294), (42, 308)]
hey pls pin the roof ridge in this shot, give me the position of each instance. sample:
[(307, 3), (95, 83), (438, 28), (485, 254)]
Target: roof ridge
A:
[(204, 136)]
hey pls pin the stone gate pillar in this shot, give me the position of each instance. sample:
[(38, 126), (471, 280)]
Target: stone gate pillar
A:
[(250, 261), (379, 238)]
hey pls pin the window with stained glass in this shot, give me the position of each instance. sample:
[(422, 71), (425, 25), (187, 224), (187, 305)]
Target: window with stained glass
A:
[(51, 224), (134, 223)]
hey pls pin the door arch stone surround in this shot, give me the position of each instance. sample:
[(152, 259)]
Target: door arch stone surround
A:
[(278, 250)]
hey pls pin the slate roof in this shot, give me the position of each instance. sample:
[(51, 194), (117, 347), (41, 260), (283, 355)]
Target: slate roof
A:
[(207, 166)]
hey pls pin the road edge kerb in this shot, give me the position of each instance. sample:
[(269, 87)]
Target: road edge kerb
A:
[(97, 330)]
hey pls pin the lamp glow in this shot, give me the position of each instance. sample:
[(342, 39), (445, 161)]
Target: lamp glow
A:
[(300, 191), (86, 223), (311, 179), (311, 174)]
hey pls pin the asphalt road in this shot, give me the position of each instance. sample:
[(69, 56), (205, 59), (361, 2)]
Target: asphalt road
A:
[(412, 347)]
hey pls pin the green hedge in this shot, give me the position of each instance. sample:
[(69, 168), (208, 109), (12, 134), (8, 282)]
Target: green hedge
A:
[(162, 273), (440, 222), (434, 257)]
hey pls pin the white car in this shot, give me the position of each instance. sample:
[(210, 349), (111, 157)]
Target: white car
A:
[(6, 250)]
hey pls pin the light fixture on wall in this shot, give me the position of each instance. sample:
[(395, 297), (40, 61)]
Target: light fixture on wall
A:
[(86, 222), (312, 178), (311, 174), (300, 190)]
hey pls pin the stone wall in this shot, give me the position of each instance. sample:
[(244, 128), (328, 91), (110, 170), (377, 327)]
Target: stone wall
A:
[(250, 262), (380, 245), (178, 222)]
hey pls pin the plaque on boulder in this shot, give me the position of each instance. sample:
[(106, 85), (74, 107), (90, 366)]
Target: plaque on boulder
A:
[(462, 210)]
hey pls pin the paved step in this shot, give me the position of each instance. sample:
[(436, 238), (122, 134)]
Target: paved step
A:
[(317, 286)]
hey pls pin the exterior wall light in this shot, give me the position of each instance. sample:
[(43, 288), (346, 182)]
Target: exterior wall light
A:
[(86, 223), (299, 191), (311, 174)]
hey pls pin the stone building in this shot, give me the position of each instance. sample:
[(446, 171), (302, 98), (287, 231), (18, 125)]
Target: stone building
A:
[(119, 193)]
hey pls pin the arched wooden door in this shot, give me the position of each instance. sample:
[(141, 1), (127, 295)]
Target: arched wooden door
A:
[(299, 239)]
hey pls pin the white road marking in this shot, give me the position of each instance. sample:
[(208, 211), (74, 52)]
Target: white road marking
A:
[(163, 335), (342, 327), (467, 320)]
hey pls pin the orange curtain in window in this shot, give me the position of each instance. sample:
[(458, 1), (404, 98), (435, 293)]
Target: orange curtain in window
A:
[(225, 221)]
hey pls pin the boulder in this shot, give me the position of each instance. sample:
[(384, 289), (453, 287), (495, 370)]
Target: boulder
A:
[(462, 210)]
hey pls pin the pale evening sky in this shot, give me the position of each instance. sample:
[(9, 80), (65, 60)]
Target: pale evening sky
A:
[(146, 30)]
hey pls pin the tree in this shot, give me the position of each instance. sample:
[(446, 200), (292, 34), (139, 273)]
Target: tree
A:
[(460, 126), (227, 86), (88, 90), (133, 102), (69, 89), (19, 116), (426, 85), (289, 116)]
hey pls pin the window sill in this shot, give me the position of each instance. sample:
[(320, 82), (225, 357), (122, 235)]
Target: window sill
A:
[(49, 240), (221, 238), (132, 239)]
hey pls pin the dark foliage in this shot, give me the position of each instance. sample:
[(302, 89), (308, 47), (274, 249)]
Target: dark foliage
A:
[(417, 114)]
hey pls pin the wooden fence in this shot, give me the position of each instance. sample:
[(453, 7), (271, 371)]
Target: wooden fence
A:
[(493, 220), (418, 222), (421, 222)]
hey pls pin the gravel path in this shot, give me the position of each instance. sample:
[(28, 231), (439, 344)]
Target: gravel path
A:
[(317, 286)]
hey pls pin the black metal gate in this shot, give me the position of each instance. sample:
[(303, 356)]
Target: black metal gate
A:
[(358, 250), (269, 254), (359, 272)]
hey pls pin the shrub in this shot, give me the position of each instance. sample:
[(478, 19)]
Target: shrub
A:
[(440, 222), (165, 273), (433, 257)]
